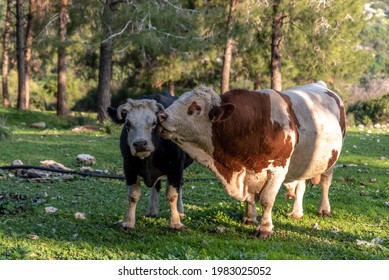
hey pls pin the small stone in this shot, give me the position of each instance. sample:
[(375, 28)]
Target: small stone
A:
[(17, 162), (33, 237), (80, 216), (315, 226), (86, 169), (221, 229), (86, 159), (335, 230), (38, 125), (373, 180), (50, 209), (53, 164)]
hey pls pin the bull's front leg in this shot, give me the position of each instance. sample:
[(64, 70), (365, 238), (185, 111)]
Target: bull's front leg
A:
[(267, 197), (172, 195), (133, 197)]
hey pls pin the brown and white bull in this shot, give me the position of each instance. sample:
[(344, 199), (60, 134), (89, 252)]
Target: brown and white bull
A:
[(255, 141)]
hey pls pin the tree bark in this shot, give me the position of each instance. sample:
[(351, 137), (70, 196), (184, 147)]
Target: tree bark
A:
[(5, 63), (276, 46), (28, 51), (20, 56), (105, 65), (225, 83), (62, 108)]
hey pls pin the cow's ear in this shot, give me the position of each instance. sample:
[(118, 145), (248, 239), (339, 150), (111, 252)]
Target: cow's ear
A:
[(112, 112), (221, 113)]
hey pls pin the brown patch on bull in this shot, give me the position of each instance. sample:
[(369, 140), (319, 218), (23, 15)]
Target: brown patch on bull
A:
[(194, 107), (249, 138), (332, 160), (342, 117)]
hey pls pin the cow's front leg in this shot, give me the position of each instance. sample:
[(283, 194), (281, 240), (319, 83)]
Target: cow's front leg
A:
[(133, 197), (297, 211), (251, 214), (172, 195), (267, 197)]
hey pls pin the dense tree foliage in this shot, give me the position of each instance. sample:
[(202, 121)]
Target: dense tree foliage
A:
[(174, 45)]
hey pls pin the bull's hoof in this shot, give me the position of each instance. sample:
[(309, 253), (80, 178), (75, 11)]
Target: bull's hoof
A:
[(263, 234), (324, 213), (296, 216), (177, 227), (127, 225), (249, 222), (290, 196)]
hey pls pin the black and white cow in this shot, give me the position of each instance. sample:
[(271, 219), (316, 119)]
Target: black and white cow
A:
[(148, 156)]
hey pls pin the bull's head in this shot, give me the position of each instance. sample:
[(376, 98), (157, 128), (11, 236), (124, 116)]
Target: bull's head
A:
[(140, 121)]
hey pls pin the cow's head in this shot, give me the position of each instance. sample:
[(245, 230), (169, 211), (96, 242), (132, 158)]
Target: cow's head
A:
[(140, 121), (190, 117)]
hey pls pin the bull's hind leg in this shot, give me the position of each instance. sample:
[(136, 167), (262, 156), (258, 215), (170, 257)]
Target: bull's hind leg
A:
[(325, 183), (299, 190), (133, 197), (172, 195)]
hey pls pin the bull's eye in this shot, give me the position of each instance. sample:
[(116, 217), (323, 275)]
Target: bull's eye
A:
[(154, 124)]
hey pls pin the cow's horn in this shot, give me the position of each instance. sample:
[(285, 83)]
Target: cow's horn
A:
[(122, 108)]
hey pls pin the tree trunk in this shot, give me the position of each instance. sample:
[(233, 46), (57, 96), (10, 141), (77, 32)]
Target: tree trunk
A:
[(105, 66), (62, 108), (20, 56), (4, 80), (276, 78), (257, 83), (225, 84), (28, 51)]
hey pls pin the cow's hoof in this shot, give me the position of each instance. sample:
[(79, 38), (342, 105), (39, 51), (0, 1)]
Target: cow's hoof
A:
[(177, 227), (249, 222), (263, 234), (324, 213), (127, 225), (295, 216)]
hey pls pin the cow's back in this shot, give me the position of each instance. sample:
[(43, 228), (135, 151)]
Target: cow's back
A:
[(320, 118)]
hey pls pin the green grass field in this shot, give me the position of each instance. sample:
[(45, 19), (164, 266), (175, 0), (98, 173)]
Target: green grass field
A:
[(359, 199)]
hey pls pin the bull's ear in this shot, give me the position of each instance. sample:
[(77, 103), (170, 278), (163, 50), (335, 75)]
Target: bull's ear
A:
[(221, 113), (112, 112)]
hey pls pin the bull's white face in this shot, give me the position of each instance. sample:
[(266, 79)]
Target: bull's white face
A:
[(186, 121), (140, 123)]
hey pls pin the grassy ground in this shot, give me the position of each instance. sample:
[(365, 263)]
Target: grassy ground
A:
[(359, 198)]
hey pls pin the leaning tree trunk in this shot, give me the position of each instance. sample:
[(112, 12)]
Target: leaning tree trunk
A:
[(4, 80), (225, 83), (276, 78), (62, 108), (105, 66), (20, 56)]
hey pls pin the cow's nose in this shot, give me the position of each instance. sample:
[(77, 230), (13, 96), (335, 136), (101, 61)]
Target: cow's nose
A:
[(140, 145), (162, 116)]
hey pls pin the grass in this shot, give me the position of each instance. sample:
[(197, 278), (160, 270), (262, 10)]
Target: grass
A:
[(213, 231)]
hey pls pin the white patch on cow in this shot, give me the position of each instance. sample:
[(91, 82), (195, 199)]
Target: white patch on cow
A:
[(140, 121)]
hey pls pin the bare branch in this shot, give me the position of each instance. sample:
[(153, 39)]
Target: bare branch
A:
[(118, 33)]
